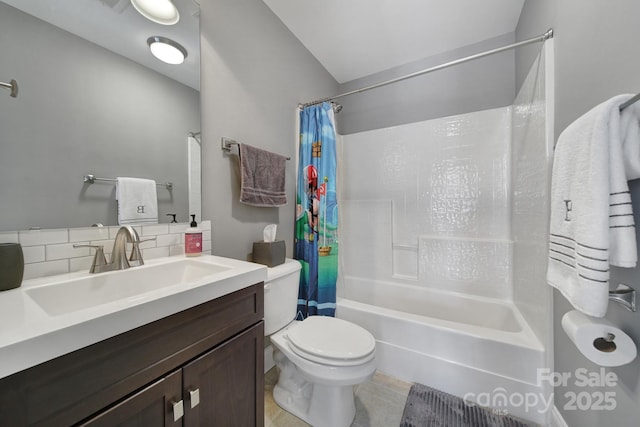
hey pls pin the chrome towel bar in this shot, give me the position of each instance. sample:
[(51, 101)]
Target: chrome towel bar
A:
[(625, 296), (630, 102), (90, 179), (227, 143), (12, 86)]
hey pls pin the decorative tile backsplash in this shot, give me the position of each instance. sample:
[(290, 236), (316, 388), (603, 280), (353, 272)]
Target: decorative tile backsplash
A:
[(50, 251)]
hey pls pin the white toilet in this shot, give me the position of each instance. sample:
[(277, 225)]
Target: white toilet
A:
[(320, 359)]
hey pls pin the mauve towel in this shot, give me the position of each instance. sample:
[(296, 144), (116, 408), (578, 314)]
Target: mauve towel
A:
[(262, 177)]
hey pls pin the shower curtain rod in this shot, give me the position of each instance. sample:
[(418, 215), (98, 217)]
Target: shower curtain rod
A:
[(541, 38)]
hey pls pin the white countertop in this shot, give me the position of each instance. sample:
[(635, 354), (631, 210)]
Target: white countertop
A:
[(30, 336)]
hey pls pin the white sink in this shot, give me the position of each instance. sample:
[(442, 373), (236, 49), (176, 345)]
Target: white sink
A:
[(77, 294)]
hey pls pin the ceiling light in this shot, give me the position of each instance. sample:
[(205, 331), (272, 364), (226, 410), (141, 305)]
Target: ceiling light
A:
[(159, 11), (167, 50)]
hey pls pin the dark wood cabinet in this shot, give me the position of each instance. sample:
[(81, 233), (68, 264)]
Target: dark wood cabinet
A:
[(225, 379), (153, 406), (217, 389), (212, 353)]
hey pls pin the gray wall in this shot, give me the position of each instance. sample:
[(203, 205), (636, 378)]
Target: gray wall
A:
[(254, 73), (83, 109), (597, 56), (478, 85)]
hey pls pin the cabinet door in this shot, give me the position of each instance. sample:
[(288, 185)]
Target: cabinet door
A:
[(227, 383), (151, 407)]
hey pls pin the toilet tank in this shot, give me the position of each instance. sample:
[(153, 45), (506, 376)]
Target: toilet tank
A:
[(281, 295)]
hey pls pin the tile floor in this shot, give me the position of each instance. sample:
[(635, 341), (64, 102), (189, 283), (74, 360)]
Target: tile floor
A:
[(379, 403)]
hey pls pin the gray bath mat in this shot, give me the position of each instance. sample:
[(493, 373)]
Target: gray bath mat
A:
[(428, 407)]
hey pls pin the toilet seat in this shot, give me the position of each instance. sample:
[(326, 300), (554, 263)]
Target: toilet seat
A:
[(331, 341)]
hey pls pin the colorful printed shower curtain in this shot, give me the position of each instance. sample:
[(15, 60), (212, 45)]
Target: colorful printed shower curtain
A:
[(316, 243)]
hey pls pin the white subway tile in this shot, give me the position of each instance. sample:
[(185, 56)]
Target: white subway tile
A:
[(206, 246), (205, 225), (66, 250), (155, 253), (168, 240), (50, 251), (206, 236), (9, 237), (42, 269), (146, 245), (155, 229), (80, 264), (113, 230), (33, 254), (107, 245), (43, 237), (89, 233), (179, 227), (176, 250)]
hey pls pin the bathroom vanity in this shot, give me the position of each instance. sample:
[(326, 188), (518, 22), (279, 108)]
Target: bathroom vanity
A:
[(198, 362)]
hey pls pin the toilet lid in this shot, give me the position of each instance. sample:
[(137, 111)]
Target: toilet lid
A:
[(331, 341)]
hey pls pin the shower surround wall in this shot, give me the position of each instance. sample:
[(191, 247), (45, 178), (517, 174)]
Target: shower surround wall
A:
[(428, 204), (533, 137), (445, 221)]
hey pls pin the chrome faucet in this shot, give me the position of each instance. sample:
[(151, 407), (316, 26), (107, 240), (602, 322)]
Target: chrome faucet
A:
[(119, 260), (126, 234)]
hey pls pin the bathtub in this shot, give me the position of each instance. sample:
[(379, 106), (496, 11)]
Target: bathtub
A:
[(477, 348)]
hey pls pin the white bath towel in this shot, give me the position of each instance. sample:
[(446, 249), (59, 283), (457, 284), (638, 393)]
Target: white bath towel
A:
[(137, 201), (592, 223)]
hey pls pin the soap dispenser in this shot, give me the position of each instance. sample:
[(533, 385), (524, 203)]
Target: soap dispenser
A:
[(193, 239)]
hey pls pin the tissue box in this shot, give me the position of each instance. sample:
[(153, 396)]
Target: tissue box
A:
[(269, 253)]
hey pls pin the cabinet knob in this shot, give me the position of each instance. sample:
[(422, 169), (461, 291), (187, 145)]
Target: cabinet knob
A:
[(178, 409), (194, 397)]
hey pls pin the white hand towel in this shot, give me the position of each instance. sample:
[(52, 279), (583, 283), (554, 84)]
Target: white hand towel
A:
[(137, 201), (591, 214), (630, 126)]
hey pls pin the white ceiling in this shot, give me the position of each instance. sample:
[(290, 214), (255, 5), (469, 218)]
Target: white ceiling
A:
[(117, 26), (351, 38), (356, 38)]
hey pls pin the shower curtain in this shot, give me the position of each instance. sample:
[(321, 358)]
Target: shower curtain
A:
[(316, 245)]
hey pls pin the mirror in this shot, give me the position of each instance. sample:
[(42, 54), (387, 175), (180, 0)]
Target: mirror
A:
[(93, 100)]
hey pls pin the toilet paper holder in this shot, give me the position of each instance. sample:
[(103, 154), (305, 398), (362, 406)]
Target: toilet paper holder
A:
[(625, 296), (605, 344)]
